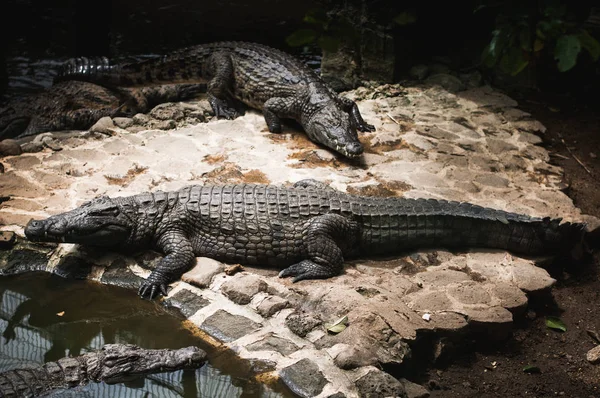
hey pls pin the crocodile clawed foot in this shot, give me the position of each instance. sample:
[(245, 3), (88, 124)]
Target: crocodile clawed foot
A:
[(365, 127), (222, 109), (151, 290), (307, 269)]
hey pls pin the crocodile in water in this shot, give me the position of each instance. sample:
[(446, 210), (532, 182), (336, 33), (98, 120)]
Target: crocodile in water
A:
[(114, 363), (259, 76), (308, 229), (77, 105)]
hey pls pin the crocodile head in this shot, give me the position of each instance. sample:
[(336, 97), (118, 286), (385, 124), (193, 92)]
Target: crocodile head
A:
[(328, 124), (100, 222), (12, 123), (117, 363)]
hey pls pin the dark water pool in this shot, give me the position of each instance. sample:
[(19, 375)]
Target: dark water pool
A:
[(44, 317)]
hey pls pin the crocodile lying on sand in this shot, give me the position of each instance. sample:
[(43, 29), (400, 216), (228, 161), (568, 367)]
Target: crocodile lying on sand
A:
[(259, 76), (114, 363), (77, 105), (309, 228)]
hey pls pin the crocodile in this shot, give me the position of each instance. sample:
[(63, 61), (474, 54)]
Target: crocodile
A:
[(114, 363), (307, 229), (256, 75), (77, 105)]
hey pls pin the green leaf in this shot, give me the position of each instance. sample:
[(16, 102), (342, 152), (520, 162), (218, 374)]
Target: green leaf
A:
[(513, 61), (405, 18), (525, 39), (590, 44), (301, 37), (532, 369), (554, 322), (566, 51), (316, 16), (338, 326), (491, 53), (328, 43)]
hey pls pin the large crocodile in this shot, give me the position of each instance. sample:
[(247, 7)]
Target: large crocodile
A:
[(309, 228), (114, 363), (259, 76), (77, 105)]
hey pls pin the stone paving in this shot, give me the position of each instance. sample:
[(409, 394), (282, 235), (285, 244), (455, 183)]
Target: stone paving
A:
[(473, 145)]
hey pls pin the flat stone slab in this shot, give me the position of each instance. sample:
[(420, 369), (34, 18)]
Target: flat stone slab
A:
[(473, 145)]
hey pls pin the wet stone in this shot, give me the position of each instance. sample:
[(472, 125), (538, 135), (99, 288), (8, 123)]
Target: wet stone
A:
[(119, 274), (227, 327), (304, 378), (301, 324), (243, 287), (73, 267), (187, 302), (272, 304), (274, 343), (378, 384), (7, 239)]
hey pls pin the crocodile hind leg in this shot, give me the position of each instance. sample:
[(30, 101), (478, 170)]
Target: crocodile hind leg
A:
[(326, 238), (220, 67), (179, 258), (351, 107)]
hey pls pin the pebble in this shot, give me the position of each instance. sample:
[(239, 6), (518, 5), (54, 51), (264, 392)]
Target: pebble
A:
[(593, 355), (10, 147)]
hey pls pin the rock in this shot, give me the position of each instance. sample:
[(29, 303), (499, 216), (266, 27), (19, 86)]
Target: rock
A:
[(162, 124), (414, 390), (7, 239), (103, 126), (167, 111), (304, 378), (448, 82), (73, 267), (203, 273), (378, 384), (141, 119), (119, 274), (437, 68), (472, 79), (187, 301), (10, 147), (243, 287), (32, 147), (419, 72), (301, 323), (352, 357), (123, 122), (228, 327), (274, 343), (593, 355), (272, 304), (1, 168)]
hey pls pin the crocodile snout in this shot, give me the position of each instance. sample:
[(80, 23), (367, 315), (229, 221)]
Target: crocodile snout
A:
[(35, 229), (354, 148)]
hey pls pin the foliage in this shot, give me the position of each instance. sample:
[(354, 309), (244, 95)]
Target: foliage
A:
[(556, 323), (524, 33), (328, 32)]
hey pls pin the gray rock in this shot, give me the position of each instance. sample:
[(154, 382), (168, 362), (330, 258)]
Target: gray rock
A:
[(354, 357), (274, 343), (437, 68), (378, 384), (414, 390), (103, 126), (203, 273), (141, 119), (472, 79), (419, 72), (301, 323), (304, 378), (593, 355), (167, 111), (228, 327), (187, 301), (10, 147), (31, 147), (272, 304), (448, 82), (119, 274), (123, 122), (492, 180), (242, 287)]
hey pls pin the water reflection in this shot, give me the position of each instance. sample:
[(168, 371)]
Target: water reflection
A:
[(44, 318)]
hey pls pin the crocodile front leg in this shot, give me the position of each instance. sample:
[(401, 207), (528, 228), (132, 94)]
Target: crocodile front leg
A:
[(351, 107), (220, 67), (179, 258), (276, 108), (326, 237)]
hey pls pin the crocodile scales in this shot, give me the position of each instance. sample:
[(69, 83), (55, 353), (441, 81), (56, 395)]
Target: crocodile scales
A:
[(308, 229), (114, 363), (259, 76)]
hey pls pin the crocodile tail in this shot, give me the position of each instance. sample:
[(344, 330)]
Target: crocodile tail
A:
[(559, 237), (95, 70)]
